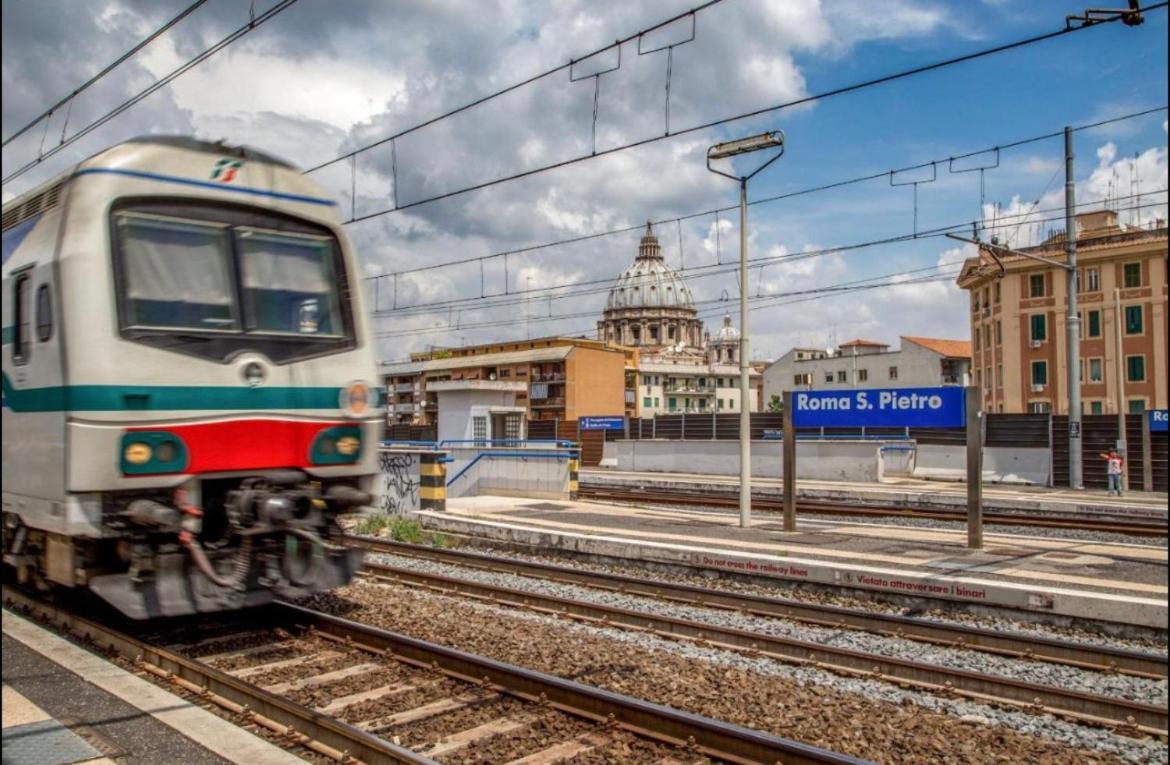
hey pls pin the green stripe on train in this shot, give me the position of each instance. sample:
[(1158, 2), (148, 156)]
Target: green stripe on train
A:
[(124, 398)]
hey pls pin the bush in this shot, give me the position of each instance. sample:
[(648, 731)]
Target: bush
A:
[(371, 525), (406, 530)]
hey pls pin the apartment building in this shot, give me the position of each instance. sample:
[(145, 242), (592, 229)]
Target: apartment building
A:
[(1018, 321), (920, 362), (560, 378)]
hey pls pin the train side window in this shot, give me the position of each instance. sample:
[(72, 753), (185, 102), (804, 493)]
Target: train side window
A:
[(44, 313), (20, 294)]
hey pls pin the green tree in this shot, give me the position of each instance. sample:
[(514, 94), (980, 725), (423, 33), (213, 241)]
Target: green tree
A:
[(776, 404)]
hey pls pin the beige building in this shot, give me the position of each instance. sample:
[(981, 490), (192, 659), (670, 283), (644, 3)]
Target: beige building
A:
[(1018, 317), (553, 378)]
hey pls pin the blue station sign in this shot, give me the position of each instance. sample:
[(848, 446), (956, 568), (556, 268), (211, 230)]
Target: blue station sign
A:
[(1158, 418), (602, 423), (880, 408)]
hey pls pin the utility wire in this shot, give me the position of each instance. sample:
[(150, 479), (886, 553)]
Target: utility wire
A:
[(120, 60), (765, 200), (755, 113), (516, 86), (713, 269), (190, 64)]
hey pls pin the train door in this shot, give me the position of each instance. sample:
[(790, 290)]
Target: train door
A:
[(35, 397)]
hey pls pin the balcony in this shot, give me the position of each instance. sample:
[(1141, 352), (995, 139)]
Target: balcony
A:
[(952, 380), (548, 376), (405, 387), (689, 390), (548, 403), (405, 408)]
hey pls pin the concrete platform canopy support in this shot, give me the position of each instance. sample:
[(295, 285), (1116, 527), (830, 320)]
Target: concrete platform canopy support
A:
[(974, 469), (789, 473)]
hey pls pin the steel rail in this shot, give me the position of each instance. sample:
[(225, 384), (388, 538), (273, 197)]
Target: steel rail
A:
[(827, 507), (1119, 714), (1097, 658), (296, 724), (714, 738), (349, 745)]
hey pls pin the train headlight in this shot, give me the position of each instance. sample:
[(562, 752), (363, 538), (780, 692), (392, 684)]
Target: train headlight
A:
[(151, 452), (137, 453), (356, 399), (339, 445)]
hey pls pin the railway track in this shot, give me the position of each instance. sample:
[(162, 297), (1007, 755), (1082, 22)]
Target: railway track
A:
[(350, 693), (773, 504), (1122, 715)]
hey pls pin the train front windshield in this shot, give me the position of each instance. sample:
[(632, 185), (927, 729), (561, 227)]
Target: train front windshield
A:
[(233, 285)]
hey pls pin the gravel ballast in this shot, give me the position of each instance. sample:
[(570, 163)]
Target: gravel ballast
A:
[(862, 717)]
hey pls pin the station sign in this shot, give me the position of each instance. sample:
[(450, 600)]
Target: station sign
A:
[(943, 407), (602, 423), (1159, 418)]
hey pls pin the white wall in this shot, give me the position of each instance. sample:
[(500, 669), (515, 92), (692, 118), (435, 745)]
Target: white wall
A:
[(457, 407), (517, 476), (817, 460), (1001, 464)]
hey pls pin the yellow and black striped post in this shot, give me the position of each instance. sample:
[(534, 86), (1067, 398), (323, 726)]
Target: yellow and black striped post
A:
[(432, 481), (574, 466)]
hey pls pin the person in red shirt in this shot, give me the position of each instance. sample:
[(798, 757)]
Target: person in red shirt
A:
[(1114, 464)]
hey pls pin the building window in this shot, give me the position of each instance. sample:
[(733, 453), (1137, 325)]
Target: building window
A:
[(862, 375), (978, 334), (987, 376), (656, 402), (1039, 407), (1135, 368), (1093, 280), (672, 404), (842, 377), (1040, 373), (1095, 370), (987, 336), (1094, 329), (1132, 275), (479, 429), (1039, 327), (978, 379), (1036, 285), (998, 332), (1137, 405), (646, 402), (986, 296), (996, 293), (828, 377), (999, 375), (1094, 407), (720, 403), (730, 403), (512, 426), (1133, 320), (893, 373), (974, 301)]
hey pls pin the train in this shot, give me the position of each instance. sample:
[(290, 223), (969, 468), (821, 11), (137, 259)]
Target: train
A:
[(190, 396)]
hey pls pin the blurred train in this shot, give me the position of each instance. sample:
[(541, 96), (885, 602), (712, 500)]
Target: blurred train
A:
[(190, 393)]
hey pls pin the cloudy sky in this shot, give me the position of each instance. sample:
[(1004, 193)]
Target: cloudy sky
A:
[(321, 79)]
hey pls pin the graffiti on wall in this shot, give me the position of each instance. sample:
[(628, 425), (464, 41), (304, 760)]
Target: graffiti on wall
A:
[(398, 488)]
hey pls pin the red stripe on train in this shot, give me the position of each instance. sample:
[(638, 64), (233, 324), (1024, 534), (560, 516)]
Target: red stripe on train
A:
[(245, 444)]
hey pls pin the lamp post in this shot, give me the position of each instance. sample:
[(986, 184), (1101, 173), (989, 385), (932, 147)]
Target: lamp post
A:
[(770, 140)]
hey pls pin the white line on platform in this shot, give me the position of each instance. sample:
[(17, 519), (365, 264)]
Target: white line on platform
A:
[(216, 734)]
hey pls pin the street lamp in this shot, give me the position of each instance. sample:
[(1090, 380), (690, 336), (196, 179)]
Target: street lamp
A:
[(770, 140)]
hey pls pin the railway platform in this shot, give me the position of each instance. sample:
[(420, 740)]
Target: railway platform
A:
[(900, 492), (65, 705), (1035, 576)]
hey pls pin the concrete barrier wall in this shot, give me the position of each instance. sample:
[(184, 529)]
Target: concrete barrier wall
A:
[(546, 474), (819, 460), (409, 478), (1001, 464)]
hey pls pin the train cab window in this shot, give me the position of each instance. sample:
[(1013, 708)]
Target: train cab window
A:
[(44, 313), (177, 273), (20, 308), (289, 283)]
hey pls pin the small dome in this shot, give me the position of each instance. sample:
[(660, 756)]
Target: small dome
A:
[(727, 333), (649, 282)]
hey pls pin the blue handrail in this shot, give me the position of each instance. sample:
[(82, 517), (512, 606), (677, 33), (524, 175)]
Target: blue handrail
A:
[(495, 455), (505, 441)]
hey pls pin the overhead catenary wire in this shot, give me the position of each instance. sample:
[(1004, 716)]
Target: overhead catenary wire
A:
[(766, 200), (45, 115), (268, 15), (842, 90), (1013, 222), (713, 301)]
